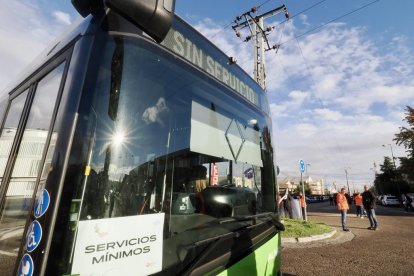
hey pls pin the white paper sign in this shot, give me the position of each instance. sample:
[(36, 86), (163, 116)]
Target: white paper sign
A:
[(119, 246)]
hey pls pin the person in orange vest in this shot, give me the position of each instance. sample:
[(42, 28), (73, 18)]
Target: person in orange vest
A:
[(302, 200), (343, 206), (358, 204)]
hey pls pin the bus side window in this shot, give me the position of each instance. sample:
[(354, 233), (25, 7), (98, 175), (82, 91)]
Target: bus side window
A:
[(27, 165), (3, 105), (9, 130)]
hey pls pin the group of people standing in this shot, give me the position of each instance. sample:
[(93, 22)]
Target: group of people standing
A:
[(291, 206), (365, 200)]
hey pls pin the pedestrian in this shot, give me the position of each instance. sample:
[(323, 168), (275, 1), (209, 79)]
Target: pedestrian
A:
[(331, 201), (302, 200), (408, 202), (281, 205), (343, 206), (287, 205), (358, 204), (368, 200)]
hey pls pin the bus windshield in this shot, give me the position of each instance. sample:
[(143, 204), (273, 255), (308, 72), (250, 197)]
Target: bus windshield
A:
[(164, 138)]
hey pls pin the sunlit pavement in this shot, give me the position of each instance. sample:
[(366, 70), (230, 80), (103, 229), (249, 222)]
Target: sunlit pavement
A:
[(387, 251)]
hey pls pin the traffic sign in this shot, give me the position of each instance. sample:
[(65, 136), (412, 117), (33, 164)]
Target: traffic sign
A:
[(302, 166), (33, 236), (26, 266), (42, 203)]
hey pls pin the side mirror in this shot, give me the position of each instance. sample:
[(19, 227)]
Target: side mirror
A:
[(153, 16), (86, 7)]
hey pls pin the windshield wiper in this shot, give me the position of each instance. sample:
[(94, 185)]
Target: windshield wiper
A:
[(214, 243), (273, 218)]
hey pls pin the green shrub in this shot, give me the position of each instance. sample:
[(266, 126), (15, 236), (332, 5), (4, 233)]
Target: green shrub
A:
[(295, 228)]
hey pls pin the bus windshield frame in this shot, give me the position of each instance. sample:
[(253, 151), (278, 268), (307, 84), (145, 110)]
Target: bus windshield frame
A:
[(159, 136)]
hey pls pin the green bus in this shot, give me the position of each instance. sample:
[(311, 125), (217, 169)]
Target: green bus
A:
[(134, 146)]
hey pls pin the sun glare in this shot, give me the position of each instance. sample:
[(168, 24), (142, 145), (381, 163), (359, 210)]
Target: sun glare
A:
[(118, 138)]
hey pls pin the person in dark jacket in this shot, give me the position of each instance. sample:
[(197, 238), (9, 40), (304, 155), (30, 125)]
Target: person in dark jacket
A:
[(408, 202), (368, 200)]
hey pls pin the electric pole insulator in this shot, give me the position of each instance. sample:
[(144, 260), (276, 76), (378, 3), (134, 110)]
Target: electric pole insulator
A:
[(274, 47)]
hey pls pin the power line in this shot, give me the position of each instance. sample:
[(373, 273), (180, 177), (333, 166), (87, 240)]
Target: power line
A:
[(330, 21), (305, 10), (303, 34), (339, 150)]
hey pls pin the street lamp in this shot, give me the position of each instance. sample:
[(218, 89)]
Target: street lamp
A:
[(306, 167), (375, 176), (347, 184)]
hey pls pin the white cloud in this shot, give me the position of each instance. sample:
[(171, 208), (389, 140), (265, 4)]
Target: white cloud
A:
[(335, 98), (153, 113), (304, 19), (327, 114), (297, 98), (228, 42), (336, 95), (62, 17)]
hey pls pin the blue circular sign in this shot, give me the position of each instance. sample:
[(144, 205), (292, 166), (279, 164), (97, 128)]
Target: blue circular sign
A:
[(26, 266), (42, 203), (302, 166), (33, 236)]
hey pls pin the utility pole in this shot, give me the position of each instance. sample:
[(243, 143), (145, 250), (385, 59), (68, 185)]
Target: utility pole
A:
[(395, 171), (392, 155), (258, 34)]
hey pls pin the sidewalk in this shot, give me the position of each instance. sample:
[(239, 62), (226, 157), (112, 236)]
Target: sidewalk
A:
[(383, 252), (335, 236)]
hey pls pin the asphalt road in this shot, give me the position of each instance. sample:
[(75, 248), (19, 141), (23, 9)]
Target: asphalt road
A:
[(387, 251)]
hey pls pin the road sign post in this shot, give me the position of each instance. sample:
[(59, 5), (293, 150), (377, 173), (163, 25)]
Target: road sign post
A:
[(302, 167)]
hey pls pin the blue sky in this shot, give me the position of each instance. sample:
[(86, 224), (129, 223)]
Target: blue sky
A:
[(337, 94)]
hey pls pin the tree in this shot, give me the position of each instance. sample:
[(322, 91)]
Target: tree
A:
[(299, 188), (384, 182), (406, 138), (406, 135)]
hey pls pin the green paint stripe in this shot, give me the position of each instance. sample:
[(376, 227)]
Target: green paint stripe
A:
[(265, 260)]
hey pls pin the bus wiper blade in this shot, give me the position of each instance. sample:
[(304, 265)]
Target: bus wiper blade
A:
[(275, 221), (247, 217)]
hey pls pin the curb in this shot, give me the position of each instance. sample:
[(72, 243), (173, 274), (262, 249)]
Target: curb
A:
[(309, 239)]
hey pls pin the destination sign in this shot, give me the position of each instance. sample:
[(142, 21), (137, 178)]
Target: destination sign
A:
[(195, 54)]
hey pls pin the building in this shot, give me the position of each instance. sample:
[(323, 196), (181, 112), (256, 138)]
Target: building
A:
[(316, 187)]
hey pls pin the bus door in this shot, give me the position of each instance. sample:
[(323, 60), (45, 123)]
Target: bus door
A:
[(26, 147)]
